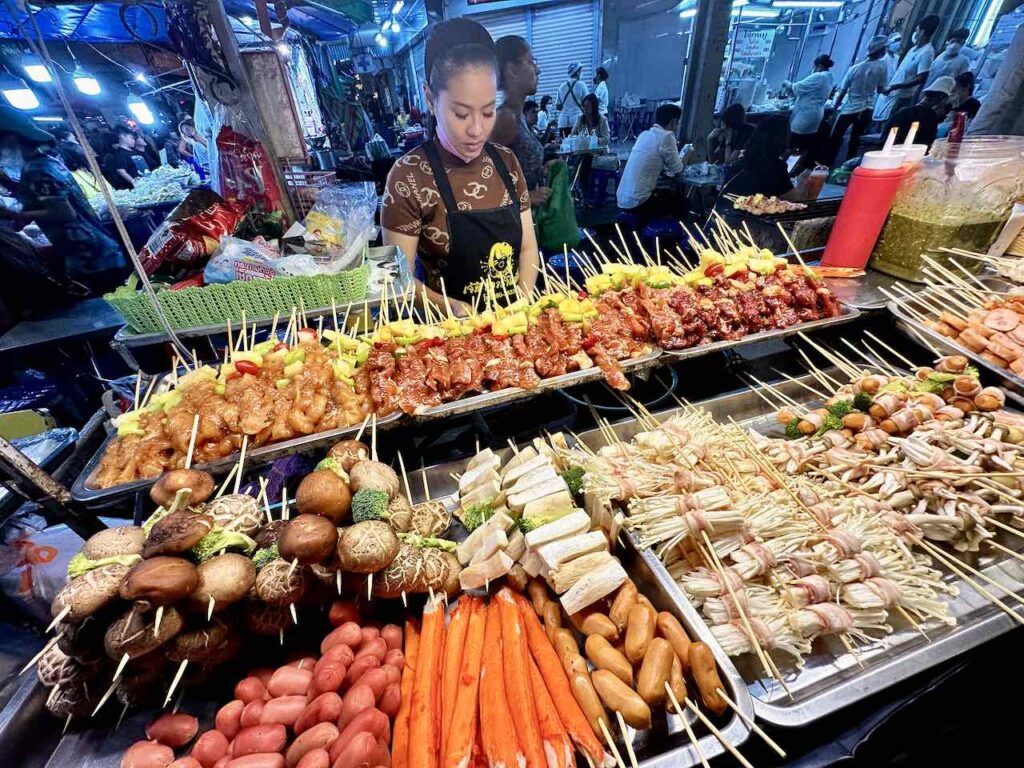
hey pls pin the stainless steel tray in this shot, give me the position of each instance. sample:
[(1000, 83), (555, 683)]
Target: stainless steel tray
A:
[(832, 678), (910, 327), (502, 396), (849, 315), (666, 744), (257, 457)]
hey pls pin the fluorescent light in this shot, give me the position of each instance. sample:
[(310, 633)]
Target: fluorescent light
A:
[(140, 109), (284, 50), (247, 20), (396, 27), (48, 119), (35, 69), (807, 3), (689, 13), (398, 6), (85, 82), (385, 25), (17, 93), (140, 77), (754, 13)]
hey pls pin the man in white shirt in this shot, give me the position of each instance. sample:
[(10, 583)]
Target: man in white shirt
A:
[(952, 62), (570, 99), (856, 95), (655, 153), (892, 54), (912, 72), (601, 90)]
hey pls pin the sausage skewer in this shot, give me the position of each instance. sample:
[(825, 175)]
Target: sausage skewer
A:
[(752, 725), (686, 725), (611, 743), (718, 735), (627, 739)]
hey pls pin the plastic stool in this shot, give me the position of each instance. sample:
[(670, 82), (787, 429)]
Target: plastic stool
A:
[(627, 219), (599, 178), (663, 230)]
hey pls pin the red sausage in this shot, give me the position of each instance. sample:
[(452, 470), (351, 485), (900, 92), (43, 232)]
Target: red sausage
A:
[(263, 673), (317, 758), (348, 633), (186, 762), (147, 754), (391, 699), (249, 689), (378, 679), (222, 763), (325, 708), (320, 736), (392, 634), (210, 747), (262, 760), (268, 737), (359, 666), (229, 718), (376, 647), (284, 710), (306, 662), (360, 752), (358, 698), (371, 721), (369, 633), (174, 731), (339, 652), (290, 681), (342, 612), (395, 658), (253, 713), (329, 674)]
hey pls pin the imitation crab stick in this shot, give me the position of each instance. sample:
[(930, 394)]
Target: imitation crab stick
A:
[(463, 728), (569, 712), (400, 740), (557, 747), (425, 714), (497, 734), (517, 681), (454, 643)]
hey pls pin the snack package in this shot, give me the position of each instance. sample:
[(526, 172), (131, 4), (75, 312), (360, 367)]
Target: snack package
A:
[(237, 259), (246, 171), (190, 233), (338, 223)]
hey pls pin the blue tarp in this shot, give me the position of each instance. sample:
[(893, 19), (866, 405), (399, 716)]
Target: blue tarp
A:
[(102, 22)]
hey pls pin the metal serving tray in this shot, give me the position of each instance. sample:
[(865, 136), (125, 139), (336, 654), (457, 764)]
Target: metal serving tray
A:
[(831, 678), (848, 315), (257, 457), (507, 395), (666, 744), (910, 327)]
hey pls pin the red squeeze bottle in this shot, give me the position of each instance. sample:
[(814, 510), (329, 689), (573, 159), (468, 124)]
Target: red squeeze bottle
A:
[(866, 205)]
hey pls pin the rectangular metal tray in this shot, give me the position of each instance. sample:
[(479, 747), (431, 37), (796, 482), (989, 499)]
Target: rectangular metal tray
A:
[(257, 457), (502, 396), (831, 678), (666, 744), (849, 314), (911, 326)]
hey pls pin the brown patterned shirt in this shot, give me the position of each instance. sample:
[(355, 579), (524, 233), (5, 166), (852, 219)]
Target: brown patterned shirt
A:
[(412, 204)]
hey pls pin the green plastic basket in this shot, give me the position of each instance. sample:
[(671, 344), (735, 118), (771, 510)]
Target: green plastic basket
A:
[(216, 304)]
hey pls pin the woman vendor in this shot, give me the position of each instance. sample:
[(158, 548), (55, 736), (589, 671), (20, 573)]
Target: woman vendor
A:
[(458, 206)]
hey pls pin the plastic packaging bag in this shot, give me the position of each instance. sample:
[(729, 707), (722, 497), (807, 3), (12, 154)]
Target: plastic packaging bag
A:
[(340, 223), (556, 219), (191, 232), (237, 259)]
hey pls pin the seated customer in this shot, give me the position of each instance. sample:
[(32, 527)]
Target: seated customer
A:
[(762, 169), (730, 135), (592, 122), (962, 99), (929, 111), (655, 153)]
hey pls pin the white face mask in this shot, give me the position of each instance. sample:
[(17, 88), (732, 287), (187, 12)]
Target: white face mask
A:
[(894, 47), (916, 37), (953, 48)]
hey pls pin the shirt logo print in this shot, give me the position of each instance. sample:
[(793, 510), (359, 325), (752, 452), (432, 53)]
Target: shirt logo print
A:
[(429, 196), (476, 190), (403, 189), (487, 171)]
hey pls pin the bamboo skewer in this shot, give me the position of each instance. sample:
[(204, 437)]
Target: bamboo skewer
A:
[(751, 724), (626, 739), (611, 743), (718, 735), (686, 725)]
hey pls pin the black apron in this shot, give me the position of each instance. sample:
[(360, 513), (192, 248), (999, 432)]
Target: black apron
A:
[(482, 244)]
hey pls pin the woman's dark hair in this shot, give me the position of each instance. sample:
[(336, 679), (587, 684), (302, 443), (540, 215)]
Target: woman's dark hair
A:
[(544, 101), (595, 105), (768, 141), (601, 74), (966, 81), (72, 156), (666, 113), (453, 46), (529, 106), (959, 34), (510, 50), (824, 61), (734, 116)]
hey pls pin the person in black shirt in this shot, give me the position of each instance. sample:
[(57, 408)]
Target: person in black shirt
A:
[(962, 99), (762, 168), (927, 113), (729, 138), (119, 167)]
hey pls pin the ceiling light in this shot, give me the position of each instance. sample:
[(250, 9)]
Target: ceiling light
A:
[(397, 7), (807, 3), (141, 78), (689, 13), (35, 69), (396, 27), (48, 119), (381, 40), (85, 82), (247, 20), (17, 93), (141, 110), (385, 25), (755, 12), (284, 50)]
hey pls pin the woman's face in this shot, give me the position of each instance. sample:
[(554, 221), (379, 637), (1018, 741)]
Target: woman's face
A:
[(588, 109), (465, 110)]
